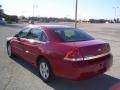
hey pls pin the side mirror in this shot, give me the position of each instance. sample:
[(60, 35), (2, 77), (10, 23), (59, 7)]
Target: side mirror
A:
[(17, 36)]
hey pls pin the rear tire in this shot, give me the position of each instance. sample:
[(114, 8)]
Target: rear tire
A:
[(45, 70), (9, 51)]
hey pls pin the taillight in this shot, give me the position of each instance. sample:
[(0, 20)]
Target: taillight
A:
[(74, 55)]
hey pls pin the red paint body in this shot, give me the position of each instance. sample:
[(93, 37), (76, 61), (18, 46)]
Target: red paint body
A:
[(55, 51)]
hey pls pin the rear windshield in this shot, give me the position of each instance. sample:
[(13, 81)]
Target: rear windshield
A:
[(72, 35)]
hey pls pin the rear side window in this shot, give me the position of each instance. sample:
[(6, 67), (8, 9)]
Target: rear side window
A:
[(72, 35), (34, 34), (23, 33)]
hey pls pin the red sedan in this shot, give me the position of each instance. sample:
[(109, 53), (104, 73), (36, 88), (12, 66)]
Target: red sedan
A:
[(61, 51)]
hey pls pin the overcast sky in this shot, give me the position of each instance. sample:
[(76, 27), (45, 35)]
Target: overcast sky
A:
[(62, 8)]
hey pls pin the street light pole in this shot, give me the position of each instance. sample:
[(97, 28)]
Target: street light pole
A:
[(35, 6), (76, 10), (33, 10), (115, 8)]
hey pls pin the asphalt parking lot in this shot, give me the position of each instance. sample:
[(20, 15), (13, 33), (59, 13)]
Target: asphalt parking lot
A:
[(16, 74)]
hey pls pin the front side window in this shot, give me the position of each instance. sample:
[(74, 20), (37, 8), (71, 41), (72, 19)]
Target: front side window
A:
[(34, 34), (72, 35), (23, 33)]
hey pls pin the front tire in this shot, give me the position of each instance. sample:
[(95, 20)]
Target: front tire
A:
[(9, 50), (45, 71)]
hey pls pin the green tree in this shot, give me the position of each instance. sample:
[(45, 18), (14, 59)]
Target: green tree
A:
[(1, 12)]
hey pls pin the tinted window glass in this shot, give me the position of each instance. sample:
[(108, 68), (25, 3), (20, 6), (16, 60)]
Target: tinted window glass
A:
[(72, 35), (43, 37), (23, 33), (34, 34)]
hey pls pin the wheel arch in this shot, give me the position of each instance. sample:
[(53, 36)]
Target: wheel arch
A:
[(8, 42), (41, 57), (52, 75)]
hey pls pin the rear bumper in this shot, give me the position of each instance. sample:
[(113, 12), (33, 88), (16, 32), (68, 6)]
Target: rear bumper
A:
[(88, 69)]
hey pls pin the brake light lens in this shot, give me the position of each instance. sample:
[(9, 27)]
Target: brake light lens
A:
[(74, 55)]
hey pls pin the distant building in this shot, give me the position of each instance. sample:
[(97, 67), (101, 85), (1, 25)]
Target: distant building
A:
[(99, 21), (84, 21)]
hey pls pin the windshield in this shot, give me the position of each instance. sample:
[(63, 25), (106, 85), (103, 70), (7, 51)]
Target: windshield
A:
[(72, 35)]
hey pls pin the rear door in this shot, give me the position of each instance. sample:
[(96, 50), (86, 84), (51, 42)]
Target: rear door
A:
[(16, 43), (31, 44)]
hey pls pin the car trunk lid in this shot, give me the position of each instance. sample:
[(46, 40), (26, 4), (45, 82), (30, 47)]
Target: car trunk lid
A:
[(92, 49)]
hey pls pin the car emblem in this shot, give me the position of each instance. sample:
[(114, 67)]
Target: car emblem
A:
[(99, 50)]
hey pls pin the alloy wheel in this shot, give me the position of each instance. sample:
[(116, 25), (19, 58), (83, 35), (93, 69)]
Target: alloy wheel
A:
[(44, 70)]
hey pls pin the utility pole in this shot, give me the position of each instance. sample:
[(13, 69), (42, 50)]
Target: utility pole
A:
[(76, 11)]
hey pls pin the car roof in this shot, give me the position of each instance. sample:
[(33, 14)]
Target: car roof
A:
[(49, 26), (48, 29)]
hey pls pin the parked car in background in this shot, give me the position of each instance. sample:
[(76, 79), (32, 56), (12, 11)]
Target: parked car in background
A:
[(62, 51), (31, 22), (2, 21)]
